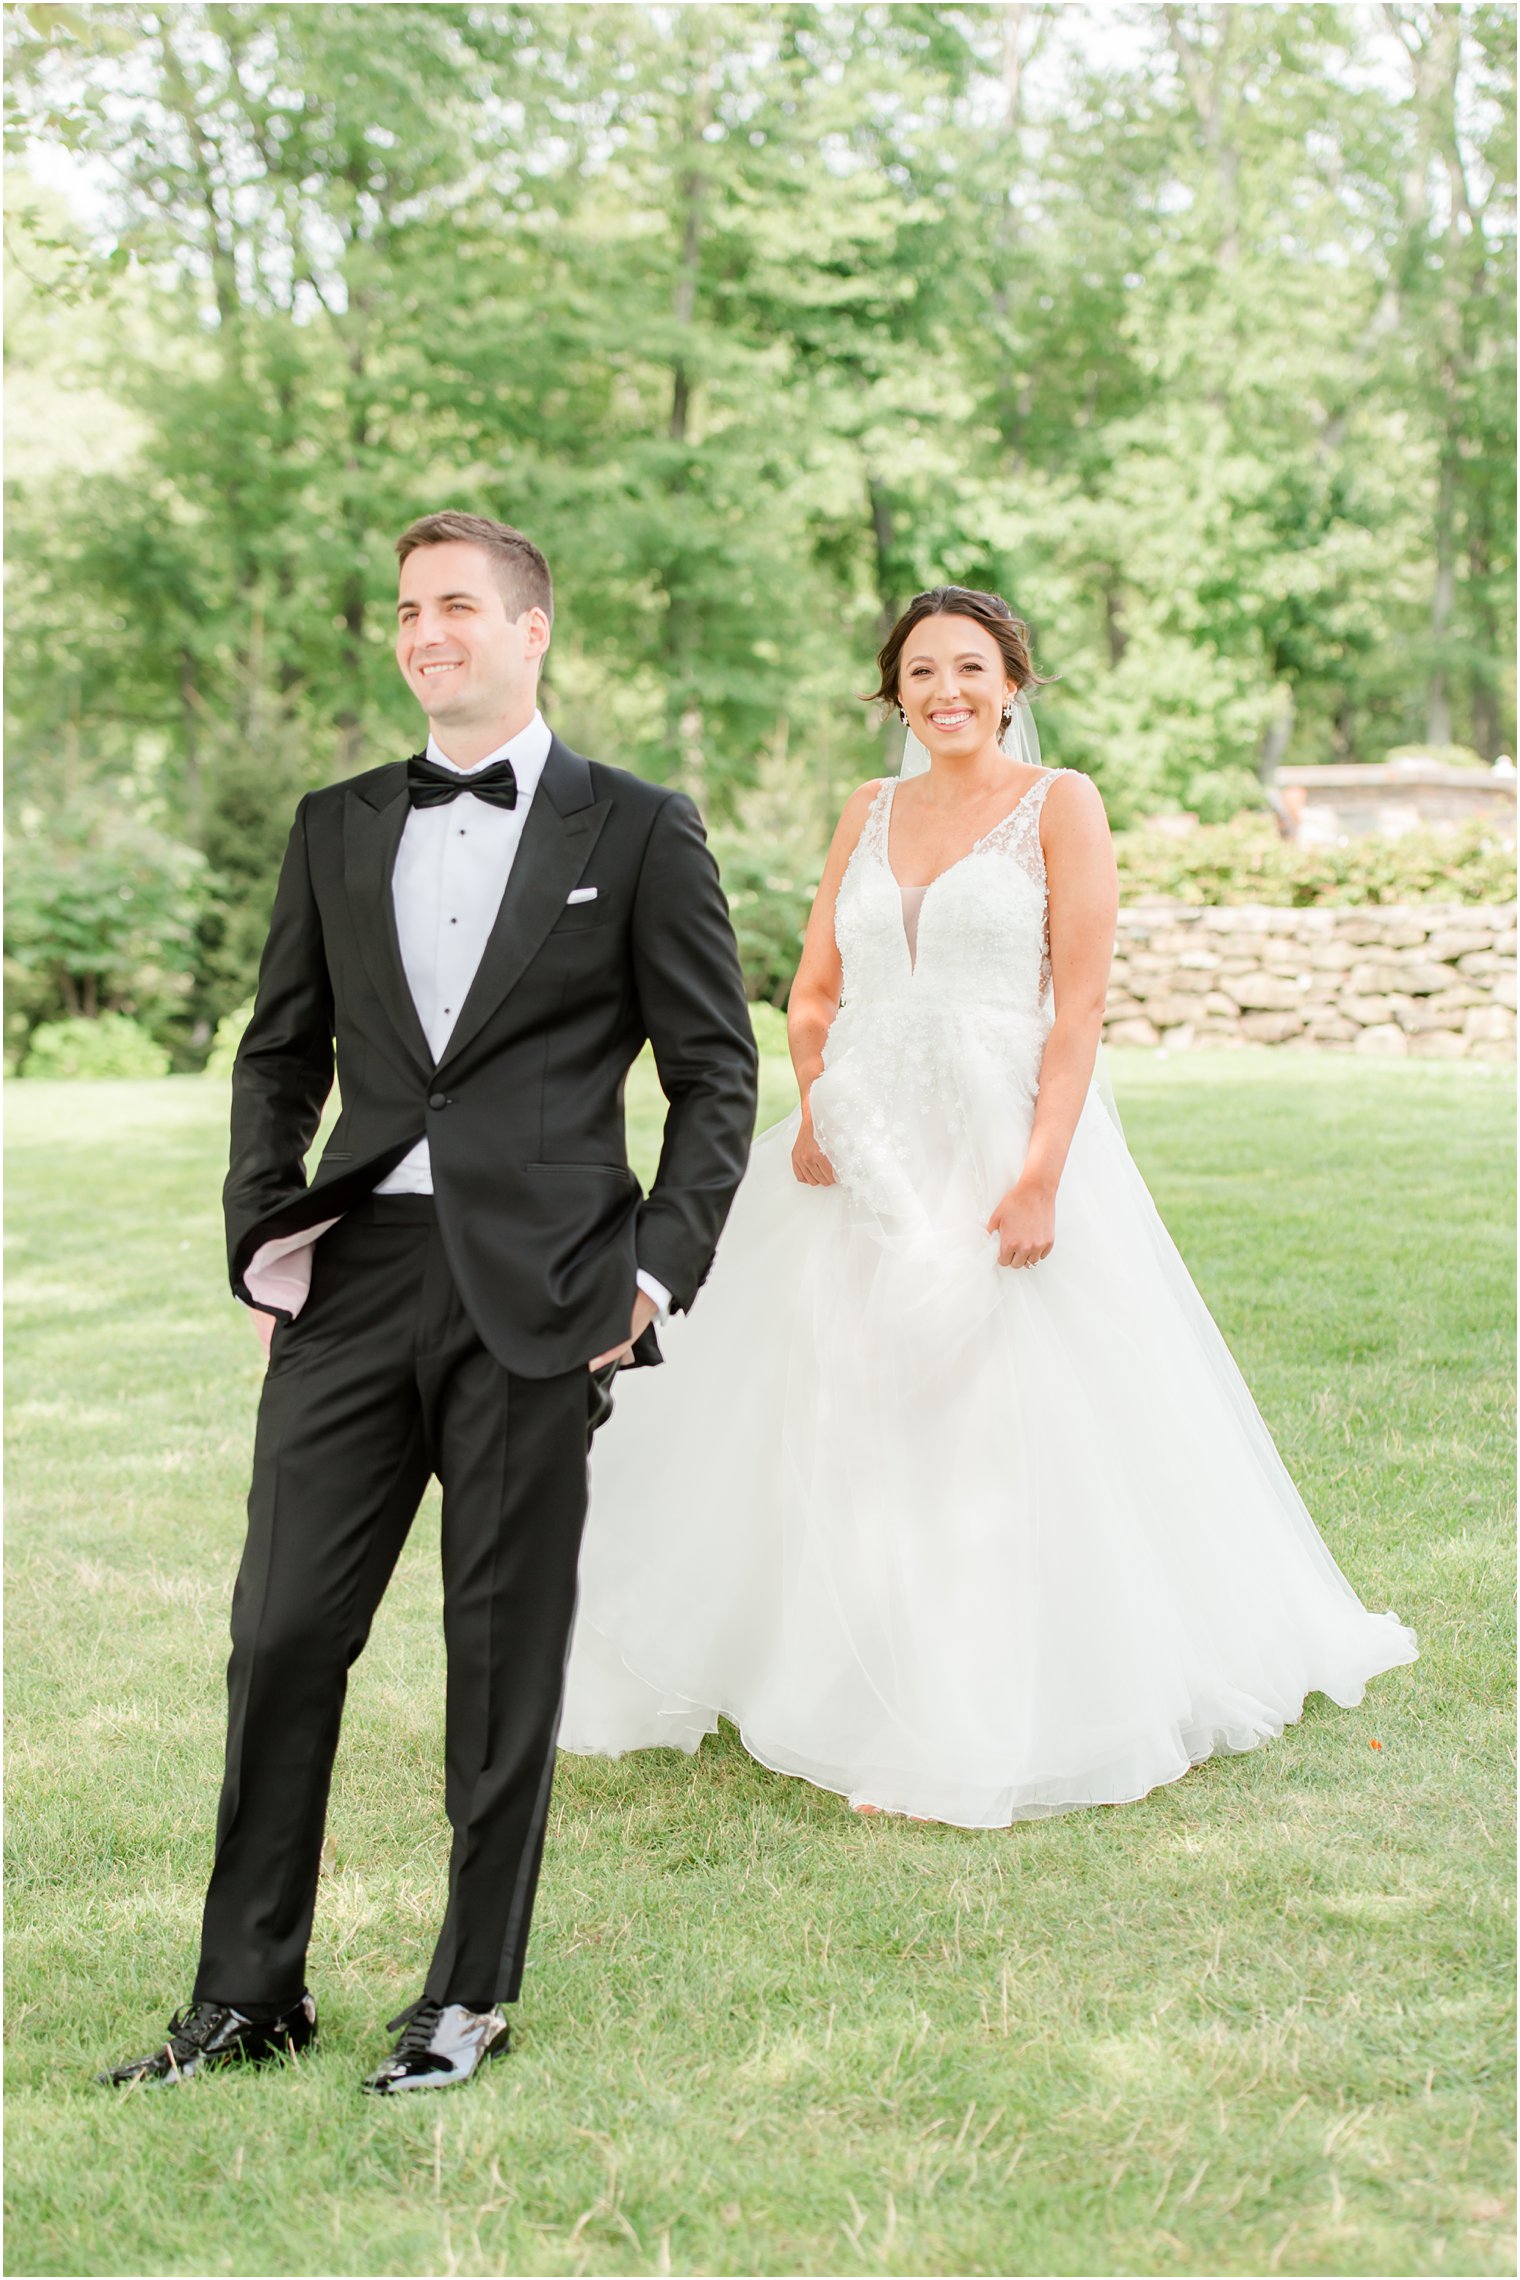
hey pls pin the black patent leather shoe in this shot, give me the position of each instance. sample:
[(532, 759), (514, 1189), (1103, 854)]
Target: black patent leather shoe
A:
[(204, 2035), (441, 2045)]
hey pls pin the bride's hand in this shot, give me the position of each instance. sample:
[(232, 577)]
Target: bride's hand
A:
[(1025, 1226), (809, 1162)]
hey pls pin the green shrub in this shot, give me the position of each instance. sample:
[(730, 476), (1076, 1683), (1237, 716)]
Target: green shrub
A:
[(101, 917), (1246, 861), (229, 1036), (769, 1025), (769, 910), (110, 1046)]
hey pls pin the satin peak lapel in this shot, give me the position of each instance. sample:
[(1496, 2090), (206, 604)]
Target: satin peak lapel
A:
[(373, 821), (561, 829)]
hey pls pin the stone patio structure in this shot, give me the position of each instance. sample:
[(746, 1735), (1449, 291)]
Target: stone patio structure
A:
[(1327, 805)]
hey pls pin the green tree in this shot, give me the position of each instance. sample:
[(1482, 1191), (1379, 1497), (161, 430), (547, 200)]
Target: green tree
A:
[(1196, 342), (101, 917)]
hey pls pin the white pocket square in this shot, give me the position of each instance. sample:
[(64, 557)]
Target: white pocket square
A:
[(581, 894)]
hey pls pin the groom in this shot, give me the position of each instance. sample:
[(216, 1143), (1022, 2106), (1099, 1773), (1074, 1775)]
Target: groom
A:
[(484, 936)]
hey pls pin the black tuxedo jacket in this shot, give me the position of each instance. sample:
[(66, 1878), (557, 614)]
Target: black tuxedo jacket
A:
[(542, 1220)]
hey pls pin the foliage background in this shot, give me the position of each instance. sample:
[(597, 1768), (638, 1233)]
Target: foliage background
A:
[(1189, 328)]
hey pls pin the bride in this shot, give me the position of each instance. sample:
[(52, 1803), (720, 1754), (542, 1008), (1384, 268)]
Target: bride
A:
[(951, 1495)]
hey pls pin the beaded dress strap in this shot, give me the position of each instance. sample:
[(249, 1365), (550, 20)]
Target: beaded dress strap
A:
[(873, 835), (1018, 835), (1019, 832)]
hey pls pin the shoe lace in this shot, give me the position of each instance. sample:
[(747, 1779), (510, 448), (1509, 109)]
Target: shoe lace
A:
[(420, 2023), (192, 2028)]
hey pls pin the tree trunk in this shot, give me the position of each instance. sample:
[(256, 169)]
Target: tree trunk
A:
[(220, 244), (253, 684), (884, 539), (1206, 76), (1483, 695), (1432, 40), (189, 713), (1113, 623), (1014, 397), (884, 536), (1443, 594), (349, 718), (350, 714), (691, 193), (1272, 744), (1343, 729), (683, 703)]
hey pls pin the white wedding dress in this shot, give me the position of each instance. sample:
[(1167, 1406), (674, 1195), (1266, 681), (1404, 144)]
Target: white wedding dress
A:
[(954, 1540)]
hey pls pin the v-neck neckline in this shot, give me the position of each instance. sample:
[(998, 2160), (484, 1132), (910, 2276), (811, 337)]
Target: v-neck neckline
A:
[(923, 886)]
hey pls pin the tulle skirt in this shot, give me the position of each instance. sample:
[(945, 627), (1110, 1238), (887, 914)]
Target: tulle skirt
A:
[(953, 1540)]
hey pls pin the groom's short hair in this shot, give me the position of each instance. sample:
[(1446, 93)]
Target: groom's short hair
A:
[(521, 571)]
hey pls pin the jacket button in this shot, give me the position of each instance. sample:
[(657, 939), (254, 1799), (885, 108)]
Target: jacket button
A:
[(438, 1100)]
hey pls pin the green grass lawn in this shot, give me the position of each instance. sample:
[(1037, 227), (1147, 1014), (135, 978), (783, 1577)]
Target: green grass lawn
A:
[(1255, 2023)]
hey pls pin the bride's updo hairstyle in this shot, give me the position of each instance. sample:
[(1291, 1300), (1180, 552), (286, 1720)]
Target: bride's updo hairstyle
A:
[(990, 610)]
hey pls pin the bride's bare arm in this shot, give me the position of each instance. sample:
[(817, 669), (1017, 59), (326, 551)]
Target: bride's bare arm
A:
[(1084, 905), (814, 999)]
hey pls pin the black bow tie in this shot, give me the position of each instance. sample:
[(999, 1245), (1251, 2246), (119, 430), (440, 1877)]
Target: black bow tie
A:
[(428, 785)]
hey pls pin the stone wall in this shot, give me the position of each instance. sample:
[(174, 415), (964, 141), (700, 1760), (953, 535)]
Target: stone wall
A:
[(1431, 979)]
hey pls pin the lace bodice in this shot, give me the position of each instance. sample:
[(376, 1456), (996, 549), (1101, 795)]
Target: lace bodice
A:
[(981, 932), (932, 1063)]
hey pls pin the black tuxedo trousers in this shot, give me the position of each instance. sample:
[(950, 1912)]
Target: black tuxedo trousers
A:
[(380, 1382)]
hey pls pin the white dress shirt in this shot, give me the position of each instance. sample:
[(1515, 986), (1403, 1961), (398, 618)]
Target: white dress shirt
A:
[(451, 872)]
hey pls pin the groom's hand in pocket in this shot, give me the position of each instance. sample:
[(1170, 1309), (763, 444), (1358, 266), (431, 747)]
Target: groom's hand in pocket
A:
[(644, 1312)]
